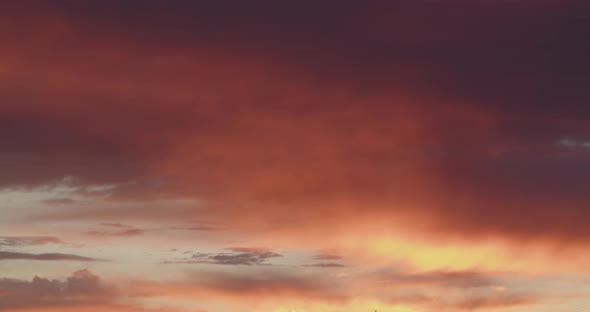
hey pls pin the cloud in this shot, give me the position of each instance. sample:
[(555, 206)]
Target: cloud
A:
[(82, 288), (204, 228), (326, 265), (440, 124), (120, 229), (572, 143), (115, 224), (23, 241), (327, 256), (410, 117), (425, 291), (243, 288), (324, 256), (59, 201), (235, 256), (127, 232), (459, 279), (475, 302), (496, 301), (451, 290), (81, 291), (7, 255)]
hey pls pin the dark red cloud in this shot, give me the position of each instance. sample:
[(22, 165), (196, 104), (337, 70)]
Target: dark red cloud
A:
[(454, 110)]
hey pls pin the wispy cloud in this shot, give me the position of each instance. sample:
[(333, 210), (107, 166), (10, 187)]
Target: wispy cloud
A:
[(118, 229), (234, 256), (59, 201), (326, 255), (116, 224), (6, 255), (127, 232), (23, 241), (326, 265), (572, 143)]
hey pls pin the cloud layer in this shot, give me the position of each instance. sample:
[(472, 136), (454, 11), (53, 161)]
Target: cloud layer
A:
[(389, 155), (435, 123)]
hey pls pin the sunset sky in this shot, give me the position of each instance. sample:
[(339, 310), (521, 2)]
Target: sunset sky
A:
[(282, 156)]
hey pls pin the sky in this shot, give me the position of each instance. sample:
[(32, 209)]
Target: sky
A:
[(282, 156)]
